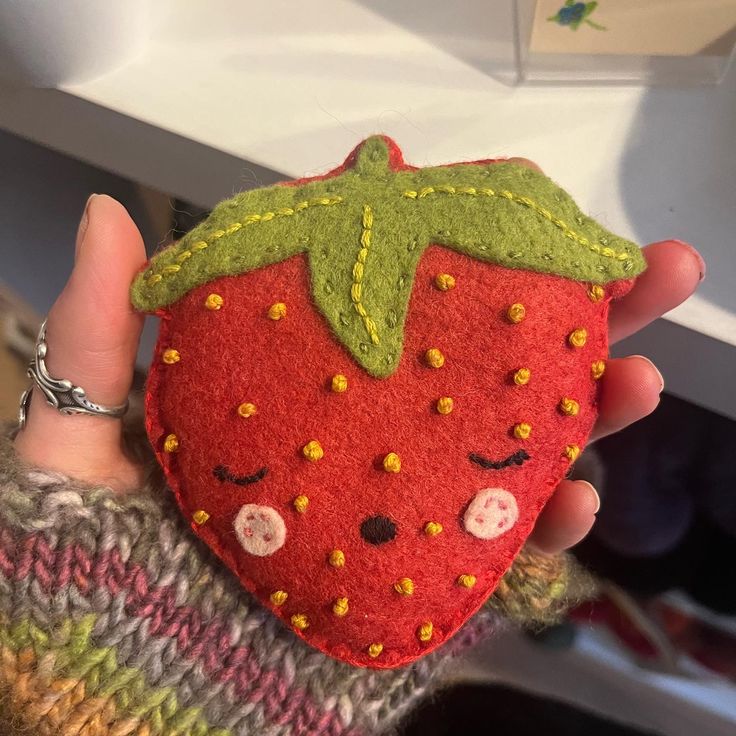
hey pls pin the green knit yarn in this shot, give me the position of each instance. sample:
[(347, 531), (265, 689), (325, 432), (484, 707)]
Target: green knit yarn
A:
[(365, 230), (76, 658)]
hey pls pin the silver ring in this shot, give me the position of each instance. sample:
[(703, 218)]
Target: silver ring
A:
[(60, 393)]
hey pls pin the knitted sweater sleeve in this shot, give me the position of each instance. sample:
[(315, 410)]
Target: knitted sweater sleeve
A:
[(114, 619)]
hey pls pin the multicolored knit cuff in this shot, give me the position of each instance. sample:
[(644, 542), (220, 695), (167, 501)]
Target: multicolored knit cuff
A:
[(114, 619)]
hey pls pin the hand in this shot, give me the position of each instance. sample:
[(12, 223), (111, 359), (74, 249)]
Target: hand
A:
[(93, 337)]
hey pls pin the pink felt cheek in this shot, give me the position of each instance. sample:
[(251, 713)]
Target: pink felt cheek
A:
[(492, 512), (259, 529)]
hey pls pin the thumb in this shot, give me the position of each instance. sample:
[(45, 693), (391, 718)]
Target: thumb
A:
[(92, 335)]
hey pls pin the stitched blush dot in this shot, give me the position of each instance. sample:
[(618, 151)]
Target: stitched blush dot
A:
[(491, 513), (260, 530)]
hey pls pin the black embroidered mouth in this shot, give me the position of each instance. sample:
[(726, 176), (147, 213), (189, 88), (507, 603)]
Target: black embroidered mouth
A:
[(223, 474), (518, 458)]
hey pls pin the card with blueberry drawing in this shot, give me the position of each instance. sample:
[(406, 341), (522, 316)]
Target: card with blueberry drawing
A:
[(632, 27)]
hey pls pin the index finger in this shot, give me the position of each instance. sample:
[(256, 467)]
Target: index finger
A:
[(674, 270)]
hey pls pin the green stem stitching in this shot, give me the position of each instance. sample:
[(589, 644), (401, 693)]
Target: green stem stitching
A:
[(358, 269), (153, 278), (504, 194)]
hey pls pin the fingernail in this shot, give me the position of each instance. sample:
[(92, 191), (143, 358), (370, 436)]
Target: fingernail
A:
[(654, 368), (698, 257), (595, 495), (83, 223)]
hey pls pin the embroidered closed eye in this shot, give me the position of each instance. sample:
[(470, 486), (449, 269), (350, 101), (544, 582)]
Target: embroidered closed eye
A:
[(224, 475), (518, 458)]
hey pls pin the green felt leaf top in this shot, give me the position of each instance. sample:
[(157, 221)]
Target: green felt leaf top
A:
[(365, 229)]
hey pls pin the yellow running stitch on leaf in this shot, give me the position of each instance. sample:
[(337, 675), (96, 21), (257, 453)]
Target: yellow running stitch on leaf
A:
[(604, 251), (358, 268), (253, 219)]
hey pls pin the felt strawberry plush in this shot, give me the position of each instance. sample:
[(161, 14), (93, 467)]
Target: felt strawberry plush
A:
[(368, 384)]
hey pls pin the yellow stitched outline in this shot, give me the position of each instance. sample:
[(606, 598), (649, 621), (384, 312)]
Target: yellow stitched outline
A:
[(604, 251), (199, 246), (358, 268)]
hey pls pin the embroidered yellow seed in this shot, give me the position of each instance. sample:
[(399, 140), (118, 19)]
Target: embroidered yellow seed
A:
[(572, 452), (246, 409), (425, 631), (522, 376), (277, 311), (340, 607), (578, 338), (374, 650), (445, 405), (404, 586), (339, 383), (301, 503), (200, 517), (569, 407), (596, 293), (516, 313), (313, 451), (444, 281), (522, 430), (433, 528), (337, 558), (434, 358), (214, 302), (171, 356), (597, 369), (171, 443), (299, 621), (278, 597), (466, 580), (392, 463)]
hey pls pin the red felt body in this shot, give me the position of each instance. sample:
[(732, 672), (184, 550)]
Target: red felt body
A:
[(237, 354)]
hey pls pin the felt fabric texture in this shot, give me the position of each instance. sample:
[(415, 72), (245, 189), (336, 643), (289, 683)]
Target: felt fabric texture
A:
[(458, 484), (365, 227), (115, 620)]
